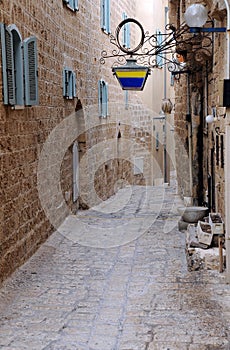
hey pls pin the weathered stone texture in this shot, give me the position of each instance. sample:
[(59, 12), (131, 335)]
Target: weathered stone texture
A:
[(75, 40), (204, 96)]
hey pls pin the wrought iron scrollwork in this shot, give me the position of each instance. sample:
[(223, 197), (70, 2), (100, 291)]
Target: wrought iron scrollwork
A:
[(150, 49)]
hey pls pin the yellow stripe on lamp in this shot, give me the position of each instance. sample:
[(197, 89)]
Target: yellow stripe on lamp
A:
[(131, 74)]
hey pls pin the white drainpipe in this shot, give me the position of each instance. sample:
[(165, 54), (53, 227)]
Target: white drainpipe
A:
[(227, 155)]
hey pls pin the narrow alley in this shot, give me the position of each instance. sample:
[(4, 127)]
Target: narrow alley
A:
[(82, 292)]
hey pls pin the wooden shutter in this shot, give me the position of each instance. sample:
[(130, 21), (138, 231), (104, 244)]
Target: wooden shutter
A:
[(124, 16), (75, 172), (75, 5), (126, 99), (106, 98), (69, 83), (100, 98), (18, 65), (65, 82), (8, 66), (107, 16), (74, 83), (126, 32), (30, 71), (159, 59), (102, 13), (157, 140), (103, 114), (128, 35)]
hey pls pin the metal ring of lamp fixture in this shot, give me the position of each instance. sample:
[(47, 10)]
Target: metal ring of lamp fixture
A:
[(119, 27)]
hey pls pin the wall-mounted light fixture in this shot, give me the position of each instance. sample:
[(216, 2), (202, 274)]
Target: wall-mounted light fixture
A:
[(210, 119), (216, 115), (133, 65)]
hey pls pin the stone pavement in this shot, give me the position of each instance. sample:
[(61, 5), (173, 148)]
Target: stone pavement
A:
[(116, 278)]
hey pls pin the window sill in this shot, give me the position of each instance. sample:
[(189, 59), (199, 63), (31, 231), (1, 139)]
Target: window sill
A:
[(17, 107)]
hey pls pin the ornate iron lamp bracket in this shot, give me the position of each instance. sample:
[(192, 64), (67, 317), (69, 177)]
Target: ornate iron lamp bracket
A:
[(174, 44)]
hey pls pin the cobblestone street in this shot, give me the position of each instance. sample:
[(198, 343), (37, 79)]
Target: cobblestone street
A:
[(125, 291)]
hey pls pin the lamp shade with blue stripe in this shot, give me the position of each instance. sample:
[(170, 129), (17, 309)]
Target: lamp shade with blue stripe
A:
[(131, 76)]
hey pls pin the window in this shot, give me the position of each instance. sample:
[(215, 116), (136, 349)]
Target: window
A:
[(105, 15), (69, 83), (159, 59), (222, 150), (172, 78), (75, 171), (72, 4), (157, 141), (126, 99), (138, 168), (217, 150), (19, 68), (103, 98), (126, 32)]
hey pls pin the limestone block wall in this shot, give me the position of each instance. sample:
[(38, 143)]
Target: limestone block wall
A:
[(36, 143), (36, 166), (208, 140)]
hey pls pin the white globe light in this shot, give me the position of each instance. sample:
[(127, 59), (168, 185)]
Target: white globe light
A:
[(196, 15), (209, 119)]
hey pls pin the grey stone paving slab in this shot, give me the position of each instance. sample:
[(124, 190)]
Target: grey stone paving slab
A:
[(137, 295)]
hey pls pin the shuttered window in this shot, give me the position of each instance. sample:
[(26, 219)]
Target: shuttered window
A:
[(71, 4), (126, 99), (103, 99), (105, 16), (157, 141), (69, 83), (19, 68), (159, 58), (7, 66), (126, 32), (75, 172), (30, 71)]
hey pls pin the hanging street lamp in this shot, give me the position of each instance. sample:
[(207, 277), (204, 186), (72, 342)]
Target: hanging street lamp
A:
[(133, 65), (131, 76)]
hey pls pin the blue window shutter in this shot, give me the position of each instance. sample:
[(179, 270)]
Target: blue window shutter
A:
[(159, 59), (102, 13), (64, 82), (126, 32), (103, 99), (126, 99), (108, 16), (69, 83), (124, 16), (103, 114), (106, 93), (18, 65), (71, 2), (100, 98), (105, 15), (75, 172), (75, 5), (8, 66), (30, 71), (74, 82), (157, 140), (128, 35), (172, 80)]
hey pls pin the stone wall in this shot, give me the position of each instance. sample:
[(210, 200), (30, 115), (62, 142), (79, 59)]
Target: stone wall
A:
[(207, 168), (36, 142)]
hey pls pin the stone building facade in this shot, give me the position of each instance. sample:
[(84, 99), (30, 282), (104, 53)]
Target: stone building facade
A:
[(200, 146), (69, 136)]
